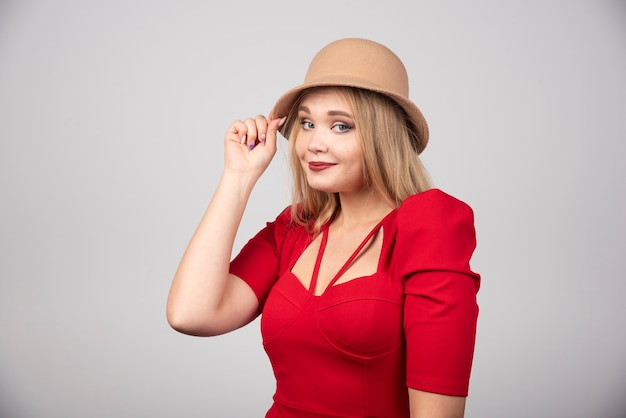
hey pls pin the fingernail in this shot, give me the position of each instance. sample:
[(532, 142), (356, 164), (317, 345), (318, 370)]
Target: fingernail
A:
[(263, 138), (251, 146), (282, 121), (243, 139)]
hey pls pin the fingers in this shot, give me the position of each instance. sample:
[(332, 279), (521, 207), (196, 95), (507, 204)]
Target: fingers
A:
[(257, 131), (251, 132)]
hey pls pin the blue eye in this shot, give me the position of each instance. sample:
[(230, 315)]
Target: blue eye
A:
[(306, 124), (342, 127)]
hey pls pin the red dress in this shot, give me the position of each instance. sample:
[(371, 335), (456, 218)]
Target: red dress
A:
[(353, 350)]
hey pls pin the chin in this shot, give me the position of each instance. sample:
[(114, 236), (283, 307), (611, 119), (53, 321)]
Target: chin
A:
[(322, 187)]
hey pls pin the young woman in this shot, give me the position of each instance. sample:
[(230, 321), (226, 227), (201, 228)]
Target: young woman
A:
[(364, 283)]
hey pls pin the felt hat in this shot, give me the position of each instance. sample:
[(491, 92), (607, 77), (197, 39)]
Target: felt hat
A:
[(361, 63)]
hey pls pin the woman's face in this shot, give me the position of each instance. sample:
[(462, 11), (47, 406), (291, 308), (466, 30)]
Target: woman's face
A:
[(327, 143)]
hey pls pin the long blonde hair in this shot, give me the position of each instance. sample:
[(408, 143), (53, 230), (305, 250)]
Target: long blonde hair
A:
[(392, 167)]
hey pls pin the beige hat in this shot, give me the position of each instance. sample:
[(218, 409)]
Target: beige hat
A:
[(364, 64)]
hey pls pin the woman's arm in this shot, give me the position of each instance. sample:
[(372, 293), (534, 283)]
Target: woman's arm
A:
[(204, 298), (433, 405)]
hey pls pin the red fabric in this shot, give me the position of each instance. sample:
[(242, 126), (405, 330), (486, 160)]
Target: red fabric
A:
[(353, 350)]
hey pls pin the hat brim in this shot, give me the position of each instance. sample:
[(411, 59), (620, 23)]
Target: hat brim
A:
[(420, 127)]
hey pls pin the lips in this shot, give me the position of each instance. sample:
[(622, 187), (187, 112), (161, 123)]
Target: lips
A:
[(319, 166)]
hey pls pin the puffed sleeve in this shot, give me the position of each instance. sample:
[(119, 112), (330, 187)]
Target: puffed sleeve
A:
[(258, 261), (434, 243)]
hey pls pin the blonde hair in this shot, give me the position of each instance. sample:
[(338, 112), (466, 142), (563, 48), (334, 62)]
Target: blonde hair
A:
[(392, 167)]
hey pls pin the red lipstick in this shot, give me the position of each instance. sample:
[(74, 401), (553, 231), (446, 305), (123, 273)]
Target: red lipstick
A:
[(319, 165)]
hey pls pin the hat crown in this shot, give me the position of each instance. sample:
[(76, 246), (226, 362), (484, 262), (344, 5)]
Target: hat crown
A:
[(353, 60)]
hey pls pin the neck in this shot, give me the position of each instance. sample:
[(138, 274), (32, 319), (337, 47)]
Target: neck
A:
[(362, 210)]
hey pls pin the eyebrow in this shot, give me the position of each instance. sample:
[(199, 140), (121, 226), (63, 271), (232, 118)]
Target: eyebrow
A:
[(330, 112)]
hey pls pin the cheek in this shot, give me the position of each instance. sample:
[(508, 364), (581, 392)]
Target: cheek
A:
[(353, 154), (300, 148), (357, 167)]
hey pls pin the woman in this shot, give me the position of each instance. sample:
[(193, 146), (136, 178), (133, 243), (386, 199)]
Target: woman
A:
[(367, 298)]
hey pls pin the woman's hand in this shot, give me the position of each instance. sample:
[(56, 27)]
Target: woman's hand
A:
[(250, 145)]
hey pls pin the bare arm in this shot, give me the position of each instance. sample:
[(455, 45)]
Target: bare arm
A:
[(433, 405), (204, 298)]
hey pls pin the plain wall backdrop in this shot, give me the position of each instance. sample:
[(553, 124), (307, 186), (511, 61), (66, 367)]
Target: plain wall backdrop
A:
[(112, 116)]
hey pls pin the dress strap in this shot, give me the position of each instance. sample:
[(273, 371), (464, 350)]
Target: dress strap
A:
[(318, 260), (355, 253)]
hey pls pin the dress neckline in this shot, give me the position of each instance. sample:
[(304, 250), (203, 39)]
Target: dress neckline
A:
[(346, 265)]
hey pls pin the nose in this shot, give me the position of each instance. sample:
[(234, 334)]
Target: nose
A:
[(317, 142)]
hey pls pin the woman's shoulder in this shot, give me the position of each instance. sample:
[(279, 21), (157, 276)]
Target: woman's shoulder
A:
[(434, 205), (433, 198), (285, 226), (435, 231), (285, 219), (435, 213)]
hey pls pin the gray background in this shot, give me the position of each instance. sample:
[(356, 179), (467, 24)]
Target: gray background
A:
[(111, 123)]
